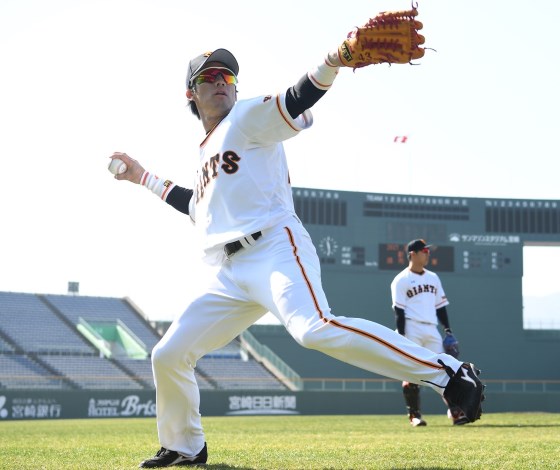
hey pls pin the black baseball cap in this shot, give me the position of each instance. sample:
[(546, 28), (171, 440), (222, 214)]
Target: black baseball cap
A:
[(224, 56), (417, 245)]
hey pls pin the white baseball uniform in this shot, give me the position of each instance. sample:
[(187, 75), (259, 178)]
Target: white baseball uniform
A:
[(243, 187), (243, 182), (420, 295)]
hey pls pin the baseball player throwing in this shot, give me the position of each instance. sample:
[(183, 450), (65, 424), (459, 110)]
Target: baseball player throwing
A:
[(260, 258), (420, 303)]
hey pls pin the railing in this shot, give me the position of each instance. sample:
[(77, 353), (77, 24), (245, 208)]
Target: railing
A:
[(51, 350), (132, 345), (522, 386), (132, 335), (390, 385), (354, 385), (34, 382), (308, 384), (94, 337), (264, 354)]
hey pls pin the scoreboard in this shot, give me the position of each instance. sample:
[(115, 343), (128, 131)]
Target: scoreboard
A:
[(393, 256), (470, 235), (477, 250)]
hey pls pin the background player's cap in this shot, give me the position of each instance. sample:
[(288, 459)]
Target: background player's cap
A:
[(417, 245), (224, 56)]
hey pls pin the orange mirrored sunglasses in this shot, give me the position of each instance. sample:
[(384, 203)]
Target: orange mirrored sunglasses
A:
[(213, 74)]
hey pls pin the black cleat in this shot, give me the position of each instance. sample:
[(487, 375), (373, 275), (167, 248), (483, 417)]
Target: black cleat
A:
[(416, 419), (170, 458), (457, 416), (464, 394)]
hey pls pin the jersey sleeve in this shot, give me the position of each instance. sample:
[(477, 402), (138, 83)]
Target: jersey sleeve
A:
[(441, 298), (398, 292), (265, 120)]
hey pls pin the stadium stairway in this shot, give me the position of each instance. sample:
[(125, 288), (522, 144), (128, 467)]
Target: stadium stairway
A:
[(64, 379), (130, 373), (7, 339)]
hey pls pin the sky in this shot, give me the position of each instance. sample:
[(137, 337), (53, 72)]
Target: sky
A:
[(84, 78)]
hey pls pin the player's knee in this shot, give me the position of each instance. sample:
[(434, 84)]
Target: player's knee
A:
[(164, 358), (157, 357), (310, 340)]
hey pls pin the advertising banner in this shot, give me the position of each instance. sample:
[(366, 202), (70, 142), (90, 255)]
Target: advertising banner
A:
[(49, 404)]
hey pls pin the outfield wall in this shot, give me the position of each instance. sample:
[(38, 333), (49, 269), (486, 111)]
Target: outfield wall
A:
[(29, 405)]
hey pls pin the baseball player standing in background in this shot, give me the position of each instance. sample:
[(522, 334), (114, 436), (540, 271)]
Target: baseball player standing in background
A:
[(420, 303), (258, 257)]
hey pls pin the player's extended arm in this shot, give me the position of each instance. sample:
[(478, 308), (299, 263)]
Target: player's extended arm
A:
[(312, 86), (390, 37), (176, 196)]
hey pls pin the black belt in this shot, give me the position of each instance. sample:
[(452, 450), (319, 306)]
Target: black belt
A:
[(234, 247)]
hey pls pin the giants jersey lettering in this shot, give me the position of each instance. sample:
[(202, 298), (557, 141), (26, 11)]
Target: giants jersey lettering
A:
[(419, 295), (242, 185)]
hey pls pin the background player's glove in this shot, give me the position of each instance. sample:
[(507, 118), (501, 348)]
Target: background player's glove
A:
[(390, 37), (450, 345)]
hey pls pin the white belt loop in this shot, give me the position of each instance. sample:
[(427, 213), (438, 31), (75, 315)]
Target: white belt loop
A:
[(247, 241), (233, 247)]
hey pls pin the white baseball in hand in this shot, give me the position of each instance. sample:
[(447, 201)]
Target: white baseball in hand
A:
[(117, 166)]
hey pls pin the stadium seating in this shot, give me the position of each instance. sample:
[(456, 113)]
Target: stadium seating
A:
[(33, 327), (92, 373), (42, 348), (142, 369), (231, 350), (233, 374), (21, 372), (105, 309)]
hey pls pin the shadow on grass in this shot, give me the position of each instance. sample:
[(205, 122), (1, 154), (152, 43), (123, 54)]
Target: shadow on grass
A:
[(514, 426), (425, 468), (505, 426), (223, 466), (228, 467)]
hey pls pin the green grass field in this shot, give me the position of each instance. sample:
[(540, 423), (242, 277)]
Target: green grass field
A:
[(498, 441)]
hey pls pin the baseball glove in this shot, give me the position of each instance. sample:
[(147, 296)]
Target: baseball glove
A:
[(451, 345), (390, 37)]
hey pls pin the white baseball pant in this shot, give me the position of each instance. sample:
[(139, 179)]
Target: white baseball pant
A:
[(280, 274)]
